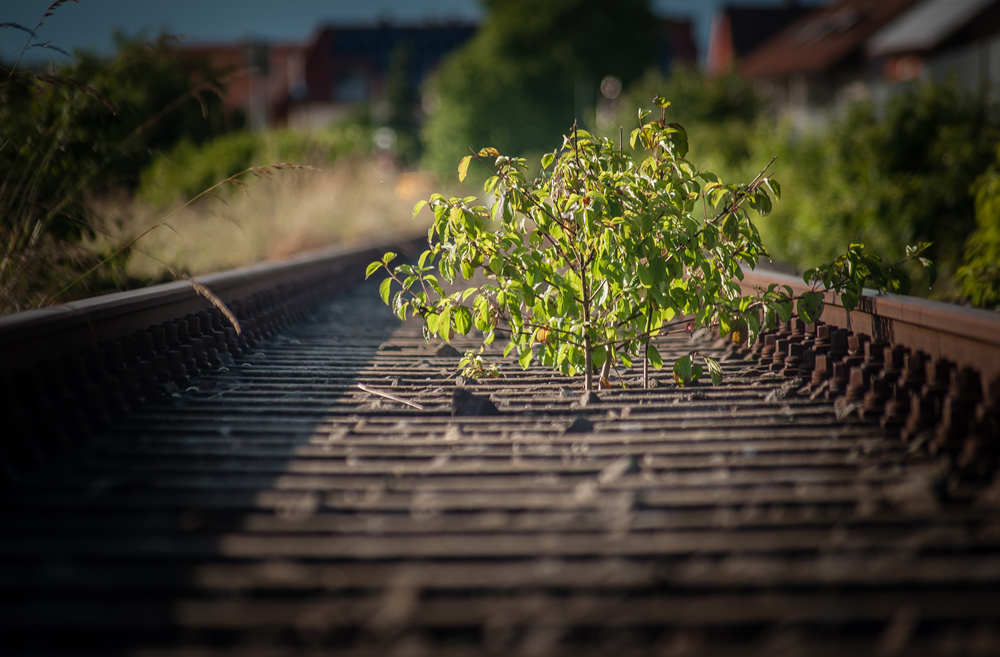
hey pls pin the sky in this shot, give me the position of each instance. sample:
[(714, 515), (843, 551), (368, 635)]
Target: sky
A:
[(90, 23)]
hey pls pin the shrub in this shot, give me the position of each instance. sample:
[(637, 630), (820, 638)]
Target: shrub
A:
[(84, 128), (902, 174), (979, 274), (189, 168), (597, 254)]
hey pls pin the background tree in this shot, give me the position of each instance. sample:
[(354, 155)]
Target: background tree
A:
[(514, 85)]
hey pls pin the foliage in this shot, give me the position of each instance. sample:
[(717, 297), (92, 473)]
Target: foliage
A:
[(848, 273), (882, 177), (515, 84), (85, 128), (189, 168), (979, 274), (475, 366), (597, 256)]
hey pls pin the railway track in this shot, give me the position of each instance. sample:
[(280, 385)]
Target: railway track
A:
[(186, 491)]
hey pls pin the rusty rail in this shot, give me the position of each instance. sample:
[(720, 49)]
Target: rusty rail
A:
[(916, 366), (275, 289)]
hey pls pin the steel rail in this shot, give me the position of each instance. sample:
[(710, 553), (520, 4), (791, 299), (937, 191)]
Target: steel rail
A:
[(968, 337), (45, 333)]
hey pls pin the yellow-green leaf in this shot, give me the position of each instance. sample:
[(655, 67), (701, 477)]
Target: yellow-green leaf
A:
[(463, 167)]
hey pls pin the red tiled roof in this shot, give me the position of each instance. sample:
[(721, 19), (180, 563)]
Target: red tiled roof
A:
[(823, 38)]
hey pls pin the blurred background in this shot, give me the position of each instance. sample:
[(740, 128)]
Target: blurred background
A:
[(115, 114)]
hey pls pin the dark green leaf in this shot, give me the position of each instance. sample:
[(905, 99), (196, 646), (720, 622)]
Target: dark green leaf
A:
[(682, 370), (654, 357), (931, 271), (810, 306)]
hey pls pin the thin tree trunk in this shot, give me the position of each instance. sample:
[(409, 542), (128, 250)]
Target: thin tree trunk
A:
[(645, 351)]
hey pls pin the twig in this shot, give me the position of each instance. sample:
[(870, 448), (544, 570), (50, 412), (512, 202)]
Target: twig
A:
[(419, 407)]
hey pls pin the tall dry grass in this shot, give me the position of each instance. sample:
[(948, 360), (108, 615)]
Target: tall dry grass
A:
[(350, 201)]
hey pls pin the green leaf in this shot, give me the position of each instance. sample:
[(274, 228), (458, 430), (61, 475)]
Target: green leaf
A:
[(388, 257), (654, 357), (372, 268), (547, 160), (418, 207), (931, 271), (463, 320), (444, 324), (463, 167), (714, 369), (810, 306), (644, 276), (784, 310), (682, 370), (900, 280), (383, 290), (635, 133), (467, 270), (524, 358)]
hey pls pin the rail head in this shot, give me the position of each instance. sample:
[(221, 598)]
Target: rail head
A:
[(29, 337), (967, 337)]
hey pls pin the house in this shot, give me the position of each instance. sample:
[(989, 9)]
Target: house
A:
[(258, 77), (941, 40), (819, 60), (347, 66), (343, 68), (737, 31), (321, 81)]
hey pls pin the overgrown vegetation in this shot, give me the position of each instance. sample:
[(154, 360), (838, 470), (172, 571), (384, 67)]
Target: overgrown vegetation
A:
[(904, 173), (921, 168), (594, 257), (80, 130), (189, 168), (95, 152), (979, 274)]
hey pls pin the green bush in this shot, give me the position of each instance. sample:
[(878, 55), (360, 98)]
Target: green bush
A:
[(86, 128), (189, 169), (900, 174), (979, 274)]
